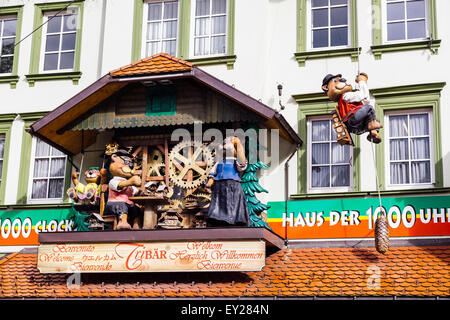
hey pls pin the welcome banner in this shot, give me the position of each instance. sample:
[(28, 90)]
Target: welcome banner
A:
[(242, 255), (355, 218)]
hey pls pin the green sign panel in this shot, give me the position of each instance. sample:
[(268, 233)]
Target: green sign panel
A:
[(21, 227), (349, 218)]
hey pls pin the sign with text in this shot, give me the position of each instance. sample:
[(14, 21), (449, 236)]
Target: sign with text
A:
[(22, 227), (355, 217), (152, 256)]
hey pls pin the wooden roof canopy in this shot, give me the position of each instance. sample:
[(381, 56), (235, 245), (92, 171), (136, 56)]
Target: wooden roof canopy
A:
[(52, 128)]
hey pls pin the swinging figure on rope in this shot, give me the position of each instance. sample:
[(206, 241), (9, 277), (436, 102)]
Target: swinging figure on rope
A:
[(353, 114)]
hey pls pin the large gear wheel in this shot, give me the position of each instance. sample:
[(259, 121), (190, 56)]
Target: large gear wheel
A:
[(155, 163), (189, 164), (206, 196)]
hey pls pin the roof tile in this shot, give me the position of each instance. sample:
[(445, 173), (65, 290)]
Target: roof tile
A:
[(408, 271), (156, 64)]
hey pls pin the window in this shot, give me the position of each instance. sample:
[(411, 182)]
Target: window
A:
[(47, 173), (56, 46), (406, 20), (329, 164), (404, 25), (8, 26), (210, 27), (198, 31), (162, 27), (409, 148), (414, 107), (60, 39), (326, 29), (161, 100), (329, 23), (2, 153), (10, 32)]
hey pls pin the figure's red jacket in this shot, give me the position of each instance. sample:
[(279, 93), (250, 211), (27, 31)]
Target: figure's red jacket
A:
[(347, 109)]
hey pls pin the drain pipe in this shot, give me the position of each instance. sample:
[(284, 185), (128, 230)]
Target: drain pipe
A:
[(101, 41), (286, 188)]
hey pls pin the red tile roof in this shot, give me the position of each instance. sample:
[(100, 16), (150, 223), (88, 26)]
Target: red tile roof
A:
[(403, 271), (158, 63)]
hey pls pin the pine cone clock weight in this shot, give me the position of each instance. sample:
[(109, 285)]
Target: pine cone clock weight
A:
[(382, 233)]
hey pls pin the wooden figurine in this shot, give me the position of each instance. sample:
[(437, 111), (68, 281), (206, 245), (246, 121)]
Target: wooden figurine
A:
[(228, 205), (343, 137), (89, 193), (124, 184), (353, 106)]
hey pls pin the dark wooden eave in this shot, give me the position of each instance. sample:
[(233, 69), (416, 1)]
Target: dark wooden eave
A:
[(49, 128)]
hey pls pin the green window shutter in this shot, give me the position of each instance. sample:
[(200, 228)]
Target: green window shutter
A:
[(161, 100)]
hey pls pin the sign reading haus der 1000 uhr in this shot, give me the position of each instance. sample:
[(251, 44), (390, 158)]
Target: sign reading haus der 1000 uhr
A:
[(152, 256)]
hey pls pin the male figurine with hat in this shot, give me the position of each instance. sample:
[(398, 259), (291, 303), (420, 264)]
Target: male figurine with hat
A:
[(354, 106), (123, 185)]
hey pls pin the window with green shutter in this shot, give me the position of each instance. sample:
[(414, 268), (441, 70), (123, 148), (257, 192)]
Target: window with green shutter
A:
[(161, 100)]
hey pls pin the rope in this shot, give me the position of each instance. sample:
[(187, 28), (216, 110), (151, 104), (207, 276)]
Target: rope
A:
[(359, 52), (373, 148), (381, 225), (82, 150), (376, 174), (50, 18), (81, 164)]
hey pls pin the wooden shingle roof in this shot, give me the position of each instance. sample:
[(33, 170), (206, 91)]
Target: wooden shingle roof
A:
[(155, 64)]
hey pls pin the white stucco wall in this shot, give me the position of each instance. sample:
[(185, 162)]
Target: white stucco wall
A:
[(12, 174)]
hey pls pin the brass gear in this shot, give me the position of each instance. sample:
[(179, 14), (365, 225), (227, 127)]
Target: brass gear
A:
[(169, 194), (192, 170), (203, 195), (155, 163), (203, 199), (174, 204)]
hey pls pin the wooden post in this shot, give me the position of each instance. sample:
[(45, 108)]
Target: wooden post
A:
[(166, 162), (150, 216), (144, 166)]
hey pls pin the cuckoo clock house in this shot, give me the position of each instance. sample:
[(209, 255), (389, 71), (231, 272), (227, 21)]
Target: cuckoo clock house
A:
[(82, 80)]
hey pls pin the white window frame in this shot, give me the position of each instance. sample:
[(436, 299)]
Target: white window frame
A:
[(387, 160), (30, 200), (44, 41), (7, 17), (309, 37), (385, 22), (145, 27), (330, 189), (192, 31)]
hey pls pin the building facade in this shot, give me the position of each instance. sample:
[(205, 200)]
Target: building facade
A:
[(51, 50)]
